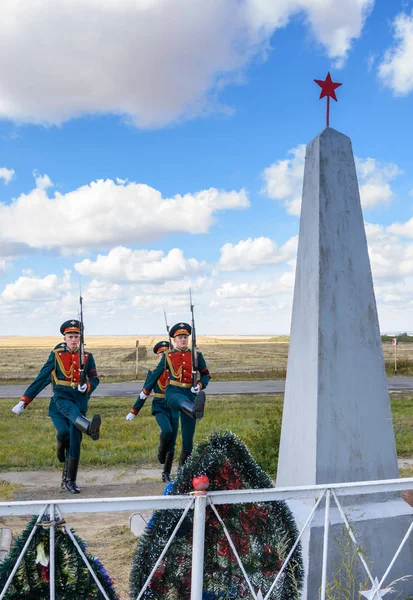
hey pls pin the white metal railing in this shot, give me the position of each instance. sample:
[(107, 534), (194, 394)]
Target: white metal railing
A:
[(199, 501)]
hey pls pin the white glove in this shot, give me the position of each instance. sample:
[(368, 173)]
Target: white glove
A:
[(19, 408), (82, 387), (130, 416), (195, 389), (142, 395)]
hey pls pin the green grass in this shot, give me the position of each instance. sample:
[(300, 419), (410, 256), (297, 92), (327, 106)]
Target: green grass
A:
[(402, 411), (28, 440), (7, 490), (404, 368)]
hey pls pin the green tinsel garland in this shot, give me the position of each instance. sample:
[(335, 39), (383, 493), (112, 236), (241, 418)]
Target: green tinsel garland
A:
[(72, 578), (263, 534)]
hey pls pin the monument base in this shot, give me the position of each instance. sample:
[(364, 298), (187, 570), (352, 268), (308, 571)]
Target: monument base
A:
[(379, 528)]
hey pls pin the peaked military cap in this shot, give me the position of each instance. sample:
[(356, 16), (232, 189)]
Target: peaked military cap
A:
[(161, 347), (180, 329), (72, 326)]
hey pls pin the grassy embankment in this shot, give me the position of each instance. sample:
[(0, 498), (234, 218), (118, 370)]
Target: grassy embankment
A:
[(28, 440)]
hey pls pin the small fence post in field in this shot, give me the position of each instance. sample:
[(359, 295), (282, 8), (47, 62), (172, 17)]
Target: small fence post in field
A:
[(137, 359), (395, 342)]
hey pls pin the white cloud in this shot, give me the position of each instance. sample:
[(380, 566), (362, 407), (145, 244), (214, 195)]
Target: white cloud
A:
[(252, 253), (106, 213), (396, 68), (391, 258), (284, 180), (42, 181), (6, 174), (33, 289), (244, 290), (101, 291), (157, 303), (258, 287), (374, 178), (336, 24), (4, 266), (403, 229), (154, 62), (126, 265)]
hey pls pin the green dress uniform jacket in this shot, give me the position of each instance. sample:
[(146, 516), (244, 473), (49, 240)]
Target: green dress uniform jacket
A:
[(62, 370), (179, 366), (158, 401)]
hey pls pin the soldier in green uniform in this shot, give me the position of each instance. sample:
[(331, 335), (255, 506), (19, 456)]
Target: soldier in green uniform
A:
[(69, 402), (180, 394), (168, 422)]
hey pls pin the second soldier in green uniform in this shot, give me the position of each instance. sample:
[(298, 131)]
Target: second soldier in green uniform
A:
[(180, 393), (166, 419)]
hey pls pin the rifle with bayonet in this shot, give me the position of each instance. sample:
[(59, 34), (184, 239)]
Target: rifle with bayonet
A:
[(199, 404), (193, 349), (171, 346), (81, 344)]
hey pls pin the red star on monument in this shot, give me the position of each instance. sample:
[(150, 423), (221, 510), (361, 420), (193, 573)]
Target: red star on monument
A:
[(328, 87)]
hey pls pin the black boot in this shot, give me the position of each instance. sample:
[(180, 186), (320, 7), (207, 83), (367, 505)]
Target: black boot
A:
[(89, 427), (196, 410), (166, 473), (163, 443), (71, 475), (64, 474), (183, 458)]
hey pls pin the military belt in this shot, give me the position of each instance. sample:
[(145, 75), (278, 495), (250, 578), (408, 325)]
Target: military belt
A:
[(159, 395), (179, 384), (72, 384)]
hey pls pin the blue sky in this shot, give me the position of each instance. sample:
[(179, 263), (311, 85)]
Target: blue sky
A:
[(146, 147)]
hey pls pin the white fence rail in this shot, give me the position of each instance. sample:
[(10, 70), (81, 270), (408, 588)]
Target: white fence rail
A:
[(199, 502)]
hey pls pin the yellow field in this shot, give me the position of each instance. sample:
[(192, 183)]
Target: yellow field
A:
[(128, 341), (228, 357)]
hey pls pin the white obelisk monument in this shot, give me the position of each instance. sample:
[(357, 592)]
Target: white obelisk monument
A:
[(337, 424)]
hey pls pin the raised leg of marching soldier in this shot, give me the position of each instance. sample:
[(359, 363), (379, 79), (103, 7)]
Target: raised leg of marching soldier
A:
[(185, 401), (167, 439), (72, 412)]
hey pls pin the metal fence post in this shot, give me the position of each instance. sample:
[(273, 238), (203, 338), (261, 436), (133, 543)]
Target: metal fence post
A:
[(197, 575), (18, 561), (325, 546), (52, 574)]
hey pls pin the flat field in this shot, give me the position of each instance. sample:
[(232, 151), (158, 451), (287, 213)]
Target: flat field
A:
[(28, 441), (228, 357)]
